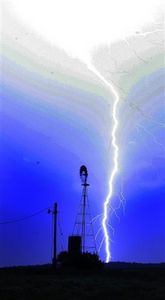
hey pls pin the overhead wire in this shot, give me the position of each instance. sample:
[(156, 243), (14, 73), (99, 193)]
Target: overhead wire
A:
[(24, 218)]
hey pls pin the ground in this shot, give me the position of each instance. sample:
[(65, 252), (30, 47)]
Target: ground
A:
[(116, 281)]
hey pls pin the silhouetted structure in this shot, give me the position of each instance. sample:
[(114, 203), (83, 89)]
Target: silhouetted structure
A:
[(54, 212), (74, 245), (83, 234)]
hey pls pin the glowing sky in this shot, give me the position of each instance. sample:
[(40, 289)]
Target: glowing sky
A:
[(56, 114)]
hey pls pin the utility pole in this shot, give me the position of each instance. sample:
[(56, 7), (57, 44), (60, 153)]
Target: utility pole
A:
[(54, 212), (55, 234)]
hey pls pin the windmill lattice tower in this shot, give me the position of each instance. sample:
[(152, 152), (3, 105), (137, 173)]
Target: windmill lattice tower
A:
[(83, 225)]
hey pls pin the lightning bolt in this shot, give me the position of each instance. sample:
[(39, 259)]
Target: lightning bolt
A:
[(115, 160), (112, 86)]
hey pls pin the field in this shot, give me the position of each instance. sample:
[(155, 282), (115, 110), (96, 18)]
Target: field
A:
[(114, 281)]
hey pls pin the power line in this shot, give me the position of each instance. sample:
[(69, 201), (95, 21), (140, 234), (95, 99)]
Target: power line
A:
[(24, 218)]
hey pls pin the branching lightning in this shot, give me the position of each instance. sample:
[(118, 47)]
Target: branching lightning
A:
[(113, 139), (115, 161)]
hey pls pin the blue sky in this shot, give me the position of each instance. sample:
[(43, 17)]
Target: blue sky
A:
[(44, 143)]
